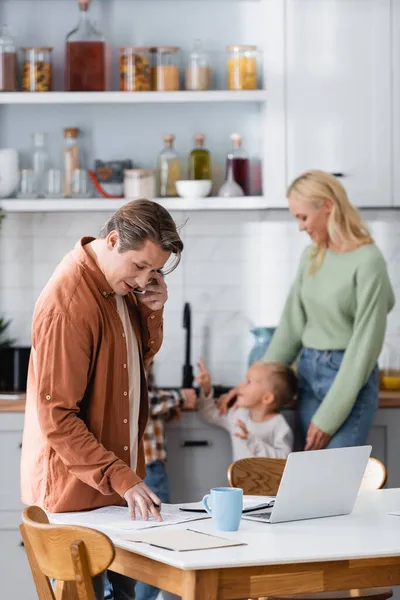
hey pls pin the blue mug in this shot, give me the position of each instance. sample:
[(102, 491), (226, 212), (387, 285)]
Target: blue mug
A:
[(226, 507)]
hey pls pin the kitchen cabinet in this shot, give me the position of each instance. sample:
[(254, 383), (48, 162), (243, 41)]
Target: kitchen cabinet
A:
[(15, 575), (338, 103)]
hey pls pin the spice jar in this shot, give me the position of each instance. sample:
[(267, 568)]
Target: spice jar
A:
[(8, 62), (134, 69), (197, 72), (242, 67), (37, 70), (139, 183), (165, 68)]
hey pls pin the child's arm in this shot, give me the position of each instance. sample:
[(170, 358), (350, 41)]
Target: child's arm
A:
[(280, 446), (206, 403)]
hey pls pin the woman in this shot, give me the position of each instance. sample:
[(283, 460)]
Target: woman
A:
[(335, 316)]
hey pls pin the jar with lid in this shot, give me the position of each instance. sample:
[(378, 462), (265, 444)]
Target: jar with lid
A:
[(165, 68), (242, 67), (37, 70), (85, 55), (134, 69), (139, 183), (198, 71), (8, 61)]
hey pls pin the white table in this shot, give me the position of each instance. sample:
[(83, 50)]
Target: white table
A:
[(353, 551)]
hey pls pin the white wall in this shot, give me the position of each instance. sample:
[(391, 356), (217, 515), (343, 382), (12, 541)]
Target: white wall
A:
[(236, 271)]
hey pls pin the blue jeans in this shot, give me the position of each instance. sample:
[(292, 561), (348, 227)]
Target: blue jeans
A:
[(317, 370), (112, 585), (157, 480)]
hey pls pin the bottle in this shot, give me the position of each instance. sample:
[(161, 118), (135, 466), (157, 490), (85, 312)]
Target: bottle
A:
[(71, 158), (40, 162), (238, 158), (198, 72), (230, 189), (199, 160), (85, 55), (169, 168), (8, 62)]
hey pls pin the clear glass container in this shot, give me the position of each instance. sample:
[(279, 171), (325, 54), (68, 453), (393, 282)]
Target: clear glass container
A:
[(81, 185), (37, 70), (230, 189), (71, 157), (165, 68), (8, 61), (199, 160), (54, 184), (242, 67), (139, 183), (169, 168), (40, 162), (135, 69), (27, 186), (85, 55), (237, 158), (198, 71)]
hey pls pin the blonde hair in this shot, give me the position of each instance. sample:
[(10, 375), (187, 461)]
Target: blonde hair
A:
[(345, 225), (282, 381)]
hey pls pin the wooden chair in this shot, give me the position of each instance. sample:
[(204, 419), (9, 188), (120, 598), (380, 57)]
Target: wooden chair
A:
[(69, 554), (262, 476)]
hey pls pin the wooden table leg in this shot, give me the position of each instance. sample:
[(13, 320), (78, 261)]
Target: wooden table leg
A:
[(66, 590), (200, 585)]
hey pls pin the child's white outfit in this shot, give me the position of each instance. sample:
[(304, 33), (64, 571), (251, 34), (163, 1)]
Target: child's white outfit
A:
[(270, 439)]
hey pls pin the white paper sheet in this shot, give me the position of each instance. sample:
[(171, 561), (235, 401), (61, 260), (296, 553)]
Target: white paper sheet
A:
[(183, 540), (117, 518)]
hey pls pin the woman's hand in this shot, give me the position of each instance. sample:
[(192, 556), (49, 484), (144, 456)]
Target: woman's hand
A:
[(316, 438)]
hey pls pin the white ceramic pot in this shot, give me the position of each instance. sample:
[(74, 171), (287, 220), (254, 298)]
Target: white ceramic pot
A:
[(9, 172)]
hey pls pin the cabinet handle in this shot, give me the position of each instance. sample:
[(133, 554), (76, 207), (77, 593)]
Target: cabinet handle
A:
[(338, 175), (196, 444)]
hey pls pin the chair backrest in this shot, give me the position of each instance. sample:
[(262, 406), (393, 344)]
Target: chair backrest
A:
[(66, 553), (262, 476)]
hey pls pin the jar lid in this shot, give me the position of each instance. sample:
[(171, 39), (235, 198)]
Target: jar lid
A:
[(37, 49), (238, 47), (135, 48), (71, 132), (162, 49)]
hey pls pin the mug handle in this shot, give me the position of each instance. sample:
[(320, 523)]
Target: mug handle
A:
[(205, 504)]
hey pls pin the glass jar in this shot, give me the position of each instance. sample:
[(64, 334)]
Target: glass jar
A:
[(85, 55), (40, 162), (242, 67), (134, 69), (37, 71), (8, 62), (198, 71), (165, 68), (139, 183)]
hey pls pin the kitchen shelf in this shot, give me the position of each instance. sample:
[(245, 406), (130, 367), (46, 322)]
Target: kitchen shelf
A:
[(104, 204), (258, 96)]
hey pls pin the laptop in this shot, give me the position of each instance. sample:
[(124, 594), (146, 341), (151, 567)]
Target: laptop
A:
[(317, 483)]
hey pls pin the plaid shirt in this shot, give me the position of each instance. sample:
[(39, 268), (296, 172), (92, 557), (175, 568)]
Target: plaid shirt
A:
[(164, 406)]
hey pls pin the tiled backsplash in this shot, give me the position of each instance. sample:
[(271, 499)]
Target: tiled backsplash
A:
[(236, 271)]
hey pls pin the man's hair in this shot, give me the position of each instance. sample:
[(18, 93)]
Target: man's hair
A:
[(141, 220), (282, 381)]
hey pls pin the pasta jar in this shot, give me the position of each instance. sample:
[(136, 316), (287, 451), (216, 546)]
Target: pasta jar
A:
[(37, 74), (134, 69), (139, 183), (165, 68), (242, 67)]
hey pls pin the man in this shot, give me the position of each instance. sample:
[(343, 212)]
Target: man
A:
[(96, 327)]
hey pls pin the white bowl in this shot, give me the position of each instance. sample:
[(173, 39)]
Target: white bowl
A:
[(193, 188)]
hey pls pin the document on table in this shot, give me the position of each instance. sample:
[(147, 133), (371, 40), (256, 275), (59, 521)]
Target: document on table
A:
[(117, 518), (183, 540), (250, 504)]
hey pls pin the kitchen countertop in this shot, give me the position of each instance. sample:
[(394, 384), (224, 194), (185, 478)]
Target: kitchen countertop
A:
[(387, 399)]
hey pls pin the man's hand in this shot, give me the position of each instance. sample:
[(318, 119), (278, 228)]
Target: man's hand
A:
[(204, 378), (189, 399), (316, 438), (225, 400), (147, 502), (156, 293), (244, 432)]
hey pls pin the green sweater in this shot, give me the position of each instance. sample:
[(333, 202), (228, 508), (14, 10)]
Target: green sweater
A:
[(342, 306)]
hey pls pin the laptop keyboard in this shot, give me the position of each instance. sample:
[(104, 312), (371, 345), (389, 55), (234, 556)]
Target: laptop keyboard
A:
[(263, 516)]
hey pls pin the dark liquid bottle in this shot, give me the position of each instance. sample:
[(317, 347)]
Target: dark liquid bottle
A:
[(240, 164), (85, 56)]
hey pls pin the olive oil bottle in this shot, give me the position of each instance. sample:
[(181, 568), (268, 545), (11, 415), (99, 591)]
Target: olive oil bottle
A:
[(199, 160)]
